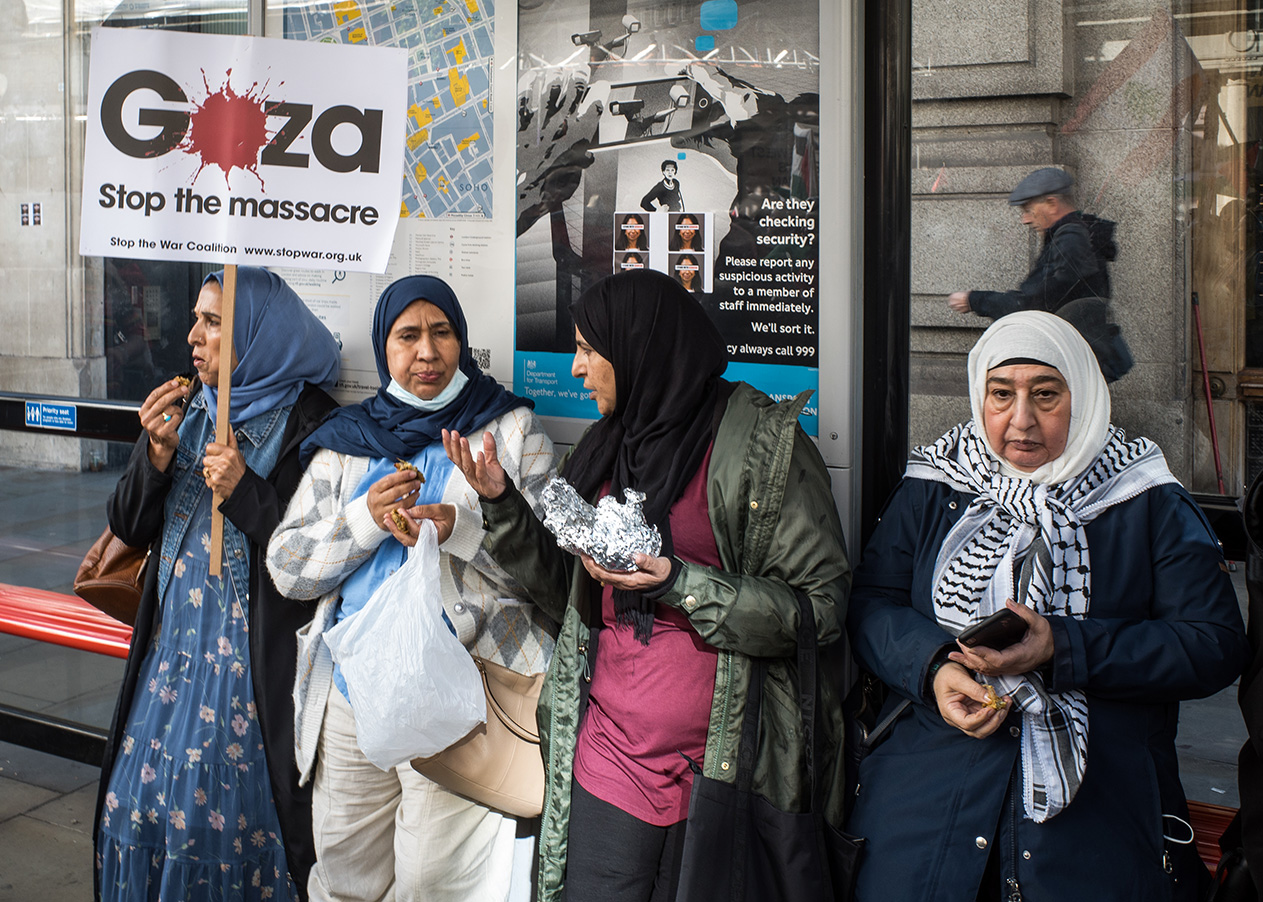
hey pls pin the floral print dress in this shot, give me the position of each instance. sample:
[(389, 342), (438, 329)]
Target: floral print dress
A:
[(189, 813)]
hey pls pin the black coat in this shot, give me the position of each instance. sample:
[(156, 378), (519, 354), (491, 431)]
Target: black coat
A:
[(135, 513), (1072, 265)]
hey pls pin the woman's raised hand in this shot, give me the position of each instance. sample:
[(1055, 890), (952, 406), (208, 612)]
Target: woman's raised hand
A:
[(392, 492), (483, 471), (161, 415), (962, 702)]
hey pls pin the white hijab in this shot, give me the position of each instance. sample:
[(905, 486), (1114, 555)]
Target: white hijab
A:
[(1022, 535), (1036, 335)]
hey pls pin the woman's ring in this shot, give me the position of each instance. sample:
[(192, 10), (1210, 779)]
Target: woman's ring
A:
[(166, 418), (206, 472)]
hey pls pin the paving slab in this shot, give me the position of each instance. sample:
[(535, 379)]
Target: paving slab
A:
[(44, 862), (95, 707), (1212, 727), (1210, 781), (73, 810), (17, 798), (55, 673)]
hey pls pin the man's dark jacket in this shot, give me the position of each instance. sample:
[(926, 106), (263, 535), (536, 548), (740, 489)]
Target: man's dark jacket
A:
[(256, 507), (1071, 266)]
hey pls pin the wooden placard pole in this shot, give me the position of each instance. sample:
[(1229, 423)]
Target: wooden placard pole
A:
[(223, 392)]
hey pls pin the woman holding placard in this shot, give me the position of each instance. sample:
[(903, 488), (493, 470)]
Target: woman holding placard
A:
[(199, 793), (376, 469)]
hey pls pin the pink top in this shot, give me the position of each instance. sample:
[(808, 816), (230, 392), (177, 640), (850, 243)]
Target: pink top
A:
[(649, 703)]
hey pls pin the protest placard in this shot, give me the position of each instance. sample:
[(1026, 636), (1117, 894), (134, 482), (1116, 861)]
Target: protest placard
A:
[(245, 150), (241, 149)]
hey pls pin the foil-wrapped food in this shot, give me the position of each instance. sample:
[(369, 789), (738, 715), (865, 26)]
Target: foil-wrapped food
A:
[(612, 533)]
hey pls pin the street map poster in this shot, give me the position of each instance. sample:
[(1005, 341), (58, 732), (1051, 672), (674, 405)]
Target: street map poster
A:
[(450, 47), (243, 150), (676, 136)]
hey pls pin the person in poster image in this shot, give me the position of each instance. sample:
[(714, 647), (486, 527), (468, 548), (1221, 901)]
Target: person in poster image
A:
[(686, 233), (688, 273), (665, 195), (631, 233), (630, 262)]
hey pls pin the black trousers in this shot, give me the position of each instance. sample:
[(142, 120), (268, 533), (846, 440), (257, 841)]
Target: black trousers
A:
[(613, 856)]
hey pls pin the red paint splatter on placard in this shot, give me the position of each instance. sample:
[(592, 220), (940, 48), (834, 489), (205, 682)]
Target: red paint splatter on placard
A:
[(229, 130)]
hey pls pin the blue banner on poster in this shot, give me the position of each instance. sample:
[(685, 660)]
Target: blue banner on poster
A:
[(545, 378)]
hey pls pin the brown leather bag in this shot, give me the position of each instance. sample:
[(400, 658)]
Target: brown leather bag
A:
[(499, 763), (112, 577)]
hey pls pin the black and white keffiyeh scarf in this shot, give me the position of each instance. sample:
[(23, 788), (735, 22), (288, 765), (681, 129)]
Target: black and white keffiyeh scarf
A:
[(1024, 540)]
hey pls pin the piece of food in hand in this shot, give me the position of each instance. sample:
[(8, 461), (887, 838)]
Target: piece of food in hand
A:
[(184, 381), (993, 701), (401, 522), (402, 465)]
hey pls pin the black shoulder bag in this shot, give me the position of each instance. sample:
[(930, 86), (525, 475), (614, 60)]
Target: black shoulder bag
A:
[(738, 845)]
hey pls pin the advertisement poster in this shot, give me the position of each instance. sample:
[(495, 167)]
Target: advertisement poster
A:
[(243, 150), (676, 136)]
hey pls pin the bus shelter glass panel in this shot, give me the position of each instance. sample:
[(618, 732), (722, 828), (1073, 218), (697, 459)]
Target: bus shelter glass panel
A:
[(1152, 114), (143, 307)]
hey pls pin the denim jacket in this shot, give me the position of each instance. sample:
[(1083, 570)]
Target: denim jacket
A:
[(258, 440)]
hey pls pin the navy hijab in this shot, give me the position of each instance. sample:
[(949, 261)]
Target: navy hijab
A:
[(383, 427)]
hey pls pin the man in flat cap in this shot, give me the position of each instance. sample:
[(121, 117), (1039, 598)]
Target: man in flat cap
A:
[(1072, 265)]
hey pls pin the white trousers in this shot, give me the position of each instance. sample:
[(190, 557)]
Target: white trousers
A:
[(396, 836)]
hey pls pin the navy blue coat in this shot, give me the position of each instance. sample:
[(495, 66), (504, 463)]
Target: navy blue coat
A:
[(1164, 625)]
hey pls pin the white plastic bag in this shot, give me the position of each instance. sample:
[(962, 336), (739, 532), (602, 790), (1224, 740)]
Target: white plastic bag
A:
[(414, 688)]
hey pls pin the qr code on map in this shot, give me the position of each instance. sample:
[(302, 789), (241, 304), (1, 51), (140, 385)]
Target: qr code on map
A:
[(482, 357)]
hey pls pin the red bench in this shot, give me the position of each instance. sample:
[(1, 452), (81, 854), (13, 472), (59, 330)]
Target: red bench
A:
[(1208, 822), (62, 620)]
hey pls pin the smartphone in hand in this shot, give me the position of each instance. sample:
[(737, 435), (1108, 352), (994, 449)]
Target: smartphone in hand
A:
[(999, 631)]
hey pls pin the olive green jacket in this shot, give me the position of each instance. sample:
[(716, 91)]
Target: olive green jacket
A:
[(776, 527)]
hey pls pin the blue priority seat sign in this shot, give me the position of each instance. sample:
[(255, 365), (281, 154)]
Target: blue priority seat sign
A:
[(43, 415)]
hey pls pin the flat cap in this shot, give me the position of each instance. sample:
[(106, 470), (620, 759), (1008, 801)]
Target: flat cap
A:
[(1048, 180)]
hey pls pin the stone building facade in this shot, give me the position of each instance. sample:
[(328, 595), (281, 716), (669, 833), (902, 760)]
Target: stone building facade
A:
[(1148, 110)]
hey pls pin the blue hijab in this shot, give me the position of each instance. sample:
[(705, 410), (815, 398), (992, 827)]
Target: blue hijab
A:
[(384, 427), (280, 346)]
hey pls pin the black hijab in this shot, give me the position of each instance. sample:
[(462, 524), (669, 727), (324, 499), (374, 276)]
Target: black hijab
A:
[(668, 358)]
